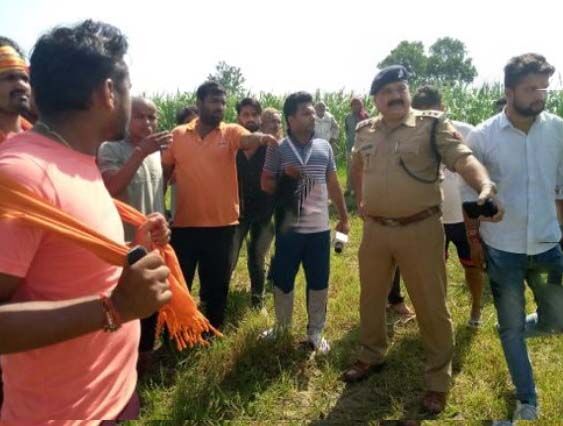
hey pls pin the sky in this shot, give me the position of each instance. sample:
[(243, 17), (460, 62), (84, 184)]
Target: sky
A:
[(292, 45)]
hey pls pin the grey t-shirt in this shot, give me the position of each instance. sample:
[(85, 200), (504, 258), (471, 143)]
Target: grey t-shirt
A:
[(146, 190)]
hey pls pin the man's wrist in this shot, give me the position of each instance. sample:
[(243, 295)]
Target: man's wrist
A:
[(359, 202), (473, 235), (139, 153), (489, 184), (118, 305)]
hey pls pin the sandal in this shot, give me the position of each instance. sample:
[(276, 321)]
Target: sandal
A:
[(361, 370), (434, 402), (474, 323)]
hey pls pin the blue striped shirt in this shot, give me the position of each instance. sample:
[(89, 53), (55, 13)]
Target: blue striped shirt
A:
[(316, 161)]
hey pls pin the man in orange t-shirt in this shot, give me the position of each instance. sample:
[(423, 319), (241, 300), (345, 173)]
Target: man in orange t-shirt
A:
[(203, 156), (68, 332), (15, 92)]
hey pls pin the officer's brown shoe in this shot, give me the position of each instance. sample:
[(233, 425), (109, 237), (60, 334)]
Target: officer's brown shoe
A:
[(434, 402), (361, 370)]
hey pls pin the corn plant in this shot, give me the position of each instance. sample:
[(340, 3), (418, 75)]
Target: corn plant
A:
[(465, 103)]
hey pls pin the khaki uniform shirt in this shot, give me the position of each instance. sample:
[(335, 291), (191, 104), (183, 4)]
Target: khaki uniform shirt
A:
[(388, 190)]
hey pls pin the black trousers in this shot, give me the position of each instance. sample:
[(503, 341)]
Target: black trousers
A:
[(210, 250), (148, 333), (260, 233)]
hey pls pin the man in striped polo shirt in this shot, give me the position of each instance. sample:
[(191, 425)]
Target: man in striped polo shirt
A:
[(301, 172)]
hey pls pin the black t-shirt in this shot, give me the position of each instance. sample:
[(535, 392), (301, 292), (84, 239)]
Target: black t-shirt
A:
[(255, 204)]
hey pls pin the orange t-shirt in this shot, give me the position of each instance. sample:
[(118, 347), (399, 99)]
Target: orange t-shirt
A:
[(25, 125), (92, 376), (206, 175)]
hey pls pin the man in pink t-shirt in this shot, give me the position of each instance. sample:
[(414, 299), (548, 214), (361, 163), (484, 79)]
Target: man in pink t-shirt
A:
[(15, 96), (68, 332)]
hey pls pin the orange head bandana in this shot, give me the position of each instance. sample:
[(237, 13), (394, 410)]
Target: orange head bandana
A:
[(10, 60)]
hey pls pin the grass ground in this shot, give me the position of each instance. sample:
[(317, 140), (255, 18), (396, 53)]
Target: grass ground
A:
[(241, 379)]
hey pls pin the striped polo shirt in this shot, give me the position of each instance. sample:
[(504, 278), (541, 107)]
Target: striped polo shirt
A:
[(316, 160)]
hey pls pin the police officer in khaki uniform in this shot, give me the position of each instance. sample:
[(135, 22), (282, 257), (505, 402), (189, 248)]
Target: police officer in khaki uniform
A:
[(395, 170)]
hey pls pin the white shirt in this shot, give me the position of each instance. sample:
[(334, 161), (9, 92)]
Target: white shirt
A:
[(451, 206), (326, 127), (528, 171)]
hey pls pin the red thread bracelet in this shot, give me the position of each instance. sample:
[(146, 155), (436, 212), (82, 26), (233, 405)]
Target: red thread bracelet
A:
[(113, 321)]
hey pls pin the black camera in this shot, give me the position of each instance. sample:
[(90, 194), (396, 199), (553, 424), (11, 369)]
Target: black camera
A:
[(136, 254), (474, 210)]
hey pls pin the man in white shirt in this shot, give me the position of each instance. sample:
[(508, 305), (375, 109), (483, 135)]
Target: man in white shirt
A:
[(429, 98), (522, 148), (326, 126)]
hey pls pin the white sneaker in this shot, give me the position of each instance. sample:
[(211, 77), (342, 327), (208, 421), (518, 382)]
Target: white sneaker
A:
[(269, 334), (525, 412), (319, 344), (274, 333)]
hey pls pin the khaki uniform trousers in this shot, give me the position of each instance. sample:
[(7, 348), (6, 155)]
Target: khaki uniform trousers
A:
[(418, 250)]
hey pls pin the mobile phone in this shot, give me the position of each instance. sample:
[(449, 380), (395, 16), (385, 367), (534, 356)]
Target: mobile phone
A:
[(136, 254), (474, 210)]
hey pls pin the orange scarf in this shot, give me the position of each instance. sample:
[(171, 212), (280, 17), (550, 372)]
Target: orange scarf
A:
[(182, 318)]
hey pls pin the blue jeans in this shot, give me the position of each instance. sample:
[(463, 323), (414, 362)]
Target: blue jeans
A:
[(313, 252), (507, 272), (294, 249)]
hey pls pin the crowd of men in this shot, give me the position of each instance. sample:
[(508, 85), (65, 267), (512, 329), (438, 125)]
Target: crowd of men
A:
[(71, 344)]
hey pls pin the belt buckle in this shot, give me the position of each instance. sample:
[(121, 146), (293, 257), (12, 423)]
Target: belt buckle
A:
[(390, 222)]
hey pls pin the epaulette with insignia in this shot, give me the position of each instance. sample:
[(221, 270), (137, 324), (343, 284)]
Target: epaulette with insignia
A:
[(364, 123), (431, 113)]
